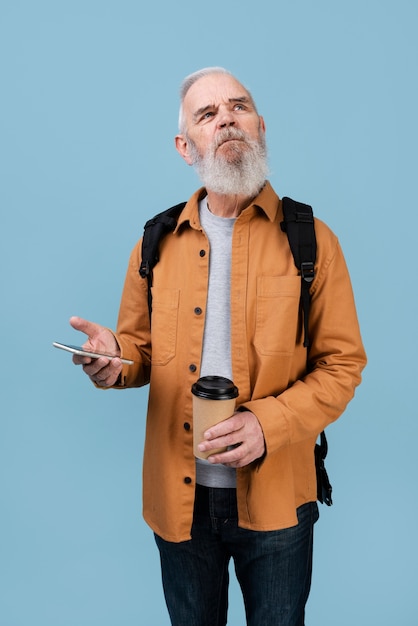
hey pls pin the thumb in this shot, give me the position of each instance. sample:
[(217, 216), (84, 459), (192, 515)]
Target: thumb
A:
[(89, 328)]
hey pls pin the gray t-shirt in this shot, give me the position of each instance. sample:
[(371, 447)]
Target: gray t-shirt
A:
[(216, 354)]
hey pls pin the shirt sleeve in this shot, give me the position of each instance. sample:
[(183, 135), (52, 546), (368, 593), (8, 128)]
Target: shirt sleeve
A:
[(133, 327)]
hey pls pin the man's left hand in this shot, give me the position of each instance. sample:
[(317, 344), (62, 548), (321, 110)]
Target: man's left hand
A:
[(242, 433)]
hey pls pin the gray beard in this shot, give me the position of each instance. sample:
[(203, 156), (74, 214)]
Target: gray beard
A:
[(243, 171)]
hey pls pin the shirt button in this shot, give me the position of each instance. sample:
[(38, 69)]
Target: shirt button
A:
[(192, 367), (186, 426), (202, 252), (198, 310), (187, 480)]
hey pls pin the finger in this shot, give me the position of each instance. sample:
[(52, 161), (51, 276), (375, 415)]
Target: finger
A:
[(230, 439), (226, 427), (81, 360), (237, 456), (104, 374), (113, 370), (95, 366), (89, 328)]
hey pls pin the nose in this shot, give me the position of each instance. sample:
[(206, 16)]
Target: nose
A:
[(226, 119)]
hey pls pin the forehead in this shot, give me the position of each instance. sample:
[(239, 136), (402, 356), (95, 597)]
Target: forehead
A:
[(214, 89)]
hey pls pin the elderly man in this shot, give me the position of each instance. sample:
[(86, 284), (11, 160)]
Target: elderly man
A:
[(225, 301)]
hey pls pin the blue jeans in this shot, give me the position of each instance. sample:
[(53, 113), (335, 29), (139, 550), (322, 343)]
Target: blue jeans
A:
[(273, 568)]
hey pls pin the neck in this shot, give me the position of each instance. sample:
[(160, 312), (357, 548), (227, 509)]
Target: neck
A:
[(227, 205)]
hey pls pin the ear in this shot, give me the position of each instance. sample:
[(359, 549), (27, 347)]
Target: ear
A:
[(182, 148), (262, 123)]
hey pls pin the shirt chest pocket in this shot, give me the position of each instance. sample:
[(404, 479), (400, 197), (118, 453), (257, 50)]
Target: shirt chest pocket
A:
[(277, 313), (165, 304)]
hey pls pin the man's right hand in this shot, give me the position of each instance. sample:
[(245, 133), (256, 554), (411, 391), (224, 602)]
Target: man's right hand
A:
[(103, 372)]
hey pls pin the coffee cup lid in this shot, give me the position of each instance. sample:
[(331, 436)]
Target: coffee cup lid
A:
[(215, 388)]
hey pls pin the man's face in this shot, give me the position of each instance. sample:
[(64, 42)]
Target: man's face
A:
[(224, 136), (214, 105)]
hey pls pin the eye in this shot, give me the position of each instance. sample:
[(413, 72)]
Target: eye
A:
[(239, 107), (205, 116)]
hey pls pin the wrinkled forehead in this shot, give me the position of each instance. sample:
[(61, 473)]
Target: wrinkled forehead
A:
[(214, 90)]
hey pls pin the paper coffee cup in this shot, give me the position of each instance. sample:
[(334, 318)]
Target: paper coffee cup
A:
[(213, 401)]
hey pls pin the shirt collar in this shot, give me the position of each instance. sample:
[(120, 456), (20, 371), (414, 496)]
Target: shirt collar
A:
[(267, 200)]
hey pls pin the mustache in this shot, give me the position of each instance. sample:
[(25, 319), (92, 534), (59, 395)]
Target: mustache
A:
[(230, 133)]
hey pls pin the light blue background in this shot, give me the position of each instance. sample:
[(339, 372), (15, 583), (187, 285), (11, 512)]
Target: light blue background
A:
[(88, 112)]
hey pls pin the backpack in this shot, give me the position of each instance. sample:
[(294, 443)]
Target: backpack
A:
[(298, 224)]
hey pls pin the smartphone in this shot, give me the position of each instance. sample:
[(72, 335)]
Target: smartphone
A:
[(81, 352)]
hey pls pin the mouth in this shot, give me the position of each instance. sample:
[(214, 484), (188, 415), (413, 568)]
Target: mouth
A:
[(228, 135), (228, 140)]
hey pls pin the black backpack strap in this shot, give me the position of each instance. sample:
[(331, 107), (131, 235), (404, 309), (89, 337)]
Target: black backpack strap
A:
[(154, 230), (324, 488), (299, 225)]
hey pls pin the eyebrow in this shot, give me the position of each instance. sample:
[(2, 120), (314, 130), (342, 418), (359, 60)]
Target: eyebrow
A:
[(208, 107)]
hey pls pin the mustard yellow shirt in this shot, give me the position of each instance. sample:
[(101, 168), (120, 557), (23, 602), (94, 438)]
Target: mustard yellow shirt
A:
[(268, 361)]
